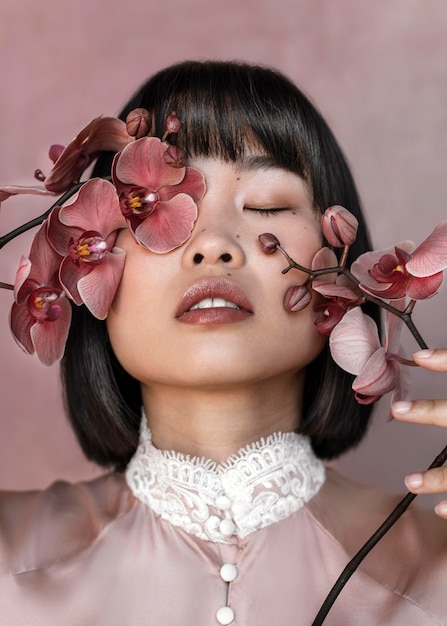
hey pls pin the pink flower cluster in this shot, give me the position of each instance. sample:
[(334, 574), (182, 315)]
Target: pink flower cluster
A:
[(394, 279), (73, 256)]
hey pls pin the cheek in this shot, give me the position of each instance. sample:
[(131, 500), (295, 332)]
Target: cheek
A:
[(133, 310)]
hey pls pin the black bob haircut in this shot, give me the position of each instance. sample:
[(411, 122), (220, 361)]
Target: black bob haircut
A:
[(223, 107)]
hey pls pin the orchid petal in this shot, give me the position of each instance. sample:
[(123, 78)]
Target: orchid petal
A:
[(106, 133), (109, 135), (97, 289), (378, 376), (192, 184), (141, 163), (21, 321), (430, 257), (423, 288), (69, 274), (333, 312), (49, 338), (393, 325), (21, 276), (96, 207), (169, 226), (323, 259), (44, 259), (335, 291), (59, 234), (353, 341)]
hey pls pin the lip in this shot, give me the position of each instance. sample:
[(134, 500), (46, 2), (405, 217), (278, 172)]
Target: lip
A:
[(214, 288)]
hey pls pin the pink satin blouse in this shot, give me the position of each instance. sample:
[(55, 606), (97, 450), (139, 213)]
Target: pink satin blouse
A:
[(257, 541)]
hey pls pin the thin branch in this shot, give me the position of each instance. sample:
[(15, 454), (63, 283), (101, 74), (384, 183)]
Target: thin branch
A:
[(353, 564), (38, 220)]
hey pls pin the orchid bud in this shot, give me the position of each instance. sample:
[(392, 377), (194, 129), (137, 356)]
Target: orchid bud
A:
[(55, 151), (297, 298), (138, 123), (269, 243), (339, 226), (175, 156), (173, 124)]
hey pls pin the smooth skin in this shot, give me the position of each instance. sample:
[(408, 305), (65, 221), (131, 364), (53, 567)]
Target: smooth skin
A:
[(429, 412), (211, 388)]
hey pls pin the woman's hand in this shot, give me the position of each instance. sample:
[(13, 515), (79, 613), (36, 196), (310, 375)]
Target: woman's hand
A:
[(427, 412)]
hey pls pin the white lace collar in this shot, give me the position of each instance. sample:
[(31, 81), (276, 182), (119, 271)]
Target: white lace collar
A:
[(264, 483)]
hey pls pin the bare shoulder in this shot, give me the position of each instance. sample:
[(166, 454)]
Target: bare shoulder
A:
[(37, 527), (342, 499), (411, 555)]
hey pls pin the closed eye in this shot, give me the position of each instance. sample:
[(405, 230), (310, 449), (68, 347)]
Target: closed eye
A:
[(266, 212)]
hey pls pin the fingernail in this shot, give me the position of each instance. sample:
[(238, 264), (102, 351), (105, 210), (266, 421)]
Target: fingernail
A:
[(401, 407), (423, 354), (413, 481), (441, 509)]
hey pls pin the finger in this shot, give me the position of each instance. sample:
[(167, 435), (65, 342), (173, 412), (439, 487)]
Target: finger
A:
[(433, 412), (430, 481), (441, 509), (435, 360)]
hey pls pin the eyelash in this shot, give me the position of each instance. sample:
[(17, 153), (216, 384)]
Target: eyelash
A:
[(266, 212)]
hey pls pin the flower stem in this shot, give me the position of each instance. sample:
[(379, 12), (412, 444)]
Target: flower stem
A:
[(342, 269), (38, 220), (353, 564)]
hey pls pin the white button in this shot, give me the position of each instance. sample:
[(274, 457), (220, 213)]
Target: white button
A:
[(227, 527), (225, 615), (223, 502), (228, 572)]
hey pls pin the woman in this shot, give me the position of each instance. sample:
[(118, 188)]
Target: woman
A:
[(219, 400)]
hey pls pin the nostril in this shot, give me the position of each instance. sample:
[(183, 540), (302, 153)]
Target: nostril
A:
[(226, 257), (198, 258)]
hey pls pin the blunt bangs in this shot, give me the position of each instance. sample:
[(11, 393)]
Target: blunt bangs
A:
[(227, 109)]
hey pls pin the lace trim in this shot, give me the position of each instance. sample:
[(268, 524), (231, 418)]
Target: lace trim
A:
[(262, 484)]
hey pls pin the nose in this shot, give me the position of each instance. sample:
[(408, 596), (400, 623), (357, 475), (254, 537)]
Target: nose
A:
[(214, 243)]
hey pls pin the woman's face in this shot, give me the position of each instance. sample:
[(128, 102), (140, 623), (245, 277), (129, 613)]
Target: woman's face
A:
[(158, 328)]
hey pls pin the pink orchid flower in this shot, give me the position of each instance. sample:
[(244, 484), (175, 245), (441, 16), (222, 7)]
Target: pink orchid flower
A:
[(404, 271), (355, 346), (157, 200), (103, 133), (41, 314), (84, 232), (339, 292)]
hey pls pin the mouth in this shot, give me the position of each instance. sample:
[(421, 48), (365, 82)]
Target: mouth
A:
[(213, 302)]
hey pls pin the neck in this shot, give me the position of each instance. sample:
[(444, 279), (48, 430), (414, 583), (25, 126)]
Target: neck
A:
[(216, 423)]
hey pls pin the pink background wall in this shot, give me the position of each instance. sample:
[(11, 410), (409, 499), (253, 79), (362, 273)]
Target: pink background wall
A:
[(377, 70)]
